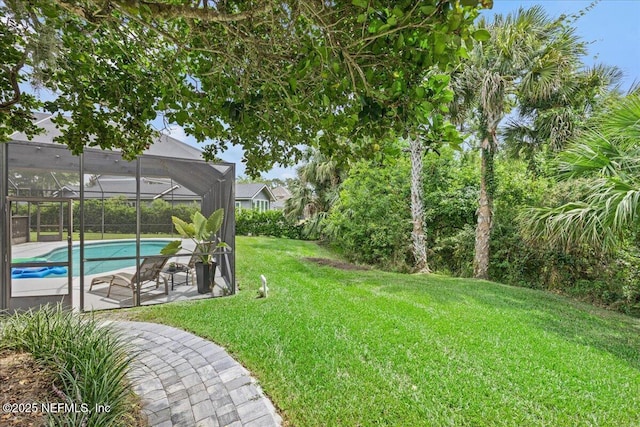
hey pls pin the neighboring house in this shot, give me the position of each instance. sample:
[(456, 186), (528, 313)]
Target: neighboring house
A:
[(106, 186), (282, 195), (254, 196)]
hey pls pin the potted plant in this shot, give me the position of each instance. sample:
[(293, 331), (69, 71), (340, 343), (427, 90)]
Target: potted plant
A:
[(203, 232)]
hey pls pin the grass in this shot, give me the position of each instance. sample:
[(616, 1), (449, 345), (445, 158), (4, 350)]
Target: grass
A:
[(89, 361), (335, 347)]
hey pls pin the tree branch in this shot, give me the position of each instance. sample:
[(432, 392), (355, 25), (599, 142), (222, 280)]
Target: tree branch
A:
[(12, 75)]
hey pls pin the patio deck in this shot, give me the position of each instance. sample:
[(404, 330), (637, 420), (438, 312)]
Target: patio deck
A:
[(96, 299)]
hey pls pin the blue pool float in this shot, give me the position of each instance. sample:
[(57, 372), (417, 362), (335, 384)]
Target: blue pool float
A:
[(36, 272)]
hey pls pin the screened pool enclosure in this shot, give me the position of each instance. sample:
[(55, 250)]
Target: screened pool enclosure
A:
[(70, 223)]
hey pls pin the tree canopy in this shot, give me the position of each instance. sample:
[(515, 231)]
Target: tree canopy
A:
[(268, 75), (533, 62)]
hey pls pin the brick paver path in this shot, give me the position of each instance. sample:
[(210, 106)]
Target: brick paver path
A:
[(184, 380)]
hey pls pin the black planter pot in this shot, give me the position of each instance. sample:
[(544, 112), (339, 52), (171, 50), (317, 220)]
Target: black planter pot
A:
[(205, 275)]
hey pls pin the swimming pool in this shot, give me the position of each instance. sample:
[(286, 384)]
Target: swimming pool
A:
[(120, 248)]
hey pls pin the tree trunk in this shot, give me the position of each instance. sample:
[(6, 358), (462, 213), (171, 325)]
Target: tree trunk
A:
[(417, 212), (485, 211)]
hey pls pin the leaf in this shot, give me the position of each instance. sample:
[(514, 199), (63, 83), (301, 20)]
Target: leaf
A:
[(200, 226), (360, 3), (456, 145), (384, 27), (396, 86), (462, 52), (214, 222), (481, 35), (172, 248), (182, 227), (427, 10), (471, 3), (427, 107), (454, 22), (447, 96), (182, 117)]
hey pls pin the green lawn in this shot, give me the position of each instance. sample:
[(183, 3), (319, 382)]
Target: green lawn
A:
[(334, 347)]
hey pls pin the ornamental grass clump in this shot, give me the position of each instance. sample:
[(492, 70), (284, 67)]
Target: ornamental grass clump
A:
[(89, 360)]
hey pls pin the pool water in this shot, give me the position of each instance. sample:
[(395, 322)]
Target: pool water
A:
[(125, 248)]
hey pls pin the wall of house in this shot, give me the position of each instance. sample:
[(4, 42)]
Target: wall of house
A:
[(244, 204), (260, 202)]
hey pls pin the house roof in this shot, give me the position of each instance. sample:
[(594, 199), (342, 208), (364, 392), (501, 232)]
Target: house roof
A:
[(166, 157), (281, 193), (163, 146), (249, 191), (150, 188)]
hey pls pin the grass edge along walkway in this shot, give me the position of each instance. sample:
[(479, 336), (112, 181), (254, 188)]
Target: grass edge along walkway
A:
[(335, 347)]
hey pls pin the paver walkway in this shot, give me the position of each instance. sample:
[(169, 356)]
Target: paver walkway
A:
[(184, 380)]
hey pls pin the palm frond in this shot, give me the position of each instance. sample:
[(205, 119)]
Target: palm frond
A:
[(601, 221), (620, 203), (624, 120), (595, 156), (568, 226), (609, 153)]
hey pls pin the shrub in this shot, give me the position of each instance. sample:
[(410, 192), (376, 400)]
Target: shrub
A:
[(89, 361), (371, 222), (268, 223), (120, 215)]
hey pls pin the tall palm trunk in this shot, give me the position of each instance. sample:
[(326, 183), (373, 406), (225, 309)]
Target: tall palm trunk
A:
[(417, 211), (485, 210)]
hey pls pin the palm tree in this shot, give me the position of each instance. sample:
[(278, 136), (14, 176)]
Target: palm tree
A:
[(551, 121), (609, 155), (527, 54), (315, 190)]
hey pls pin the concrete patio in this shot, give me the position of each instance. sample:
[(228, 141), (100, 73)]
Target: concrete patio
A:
[(96, 298)]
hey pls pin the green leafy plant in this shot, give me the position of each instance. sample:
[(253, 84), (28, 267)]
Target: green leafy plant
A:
[(370, 222), (90, 362), (202, 231), (267, 223)]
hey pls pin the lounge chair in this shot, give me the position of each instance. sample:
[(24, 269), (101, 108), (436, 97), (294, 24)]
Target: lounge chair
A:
[(150, 270), (190, 268)]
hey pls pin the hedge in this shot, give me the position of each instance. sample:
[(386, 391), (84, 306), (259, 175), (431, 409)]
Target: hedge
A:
[(267, 223)]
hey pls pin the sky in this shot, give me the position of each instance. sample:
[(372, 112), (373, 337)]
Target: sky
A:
[(612, 28)]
